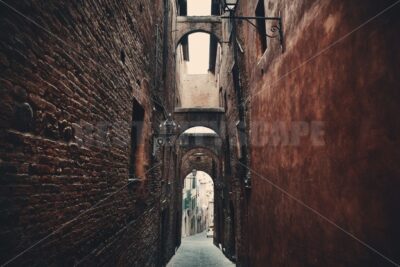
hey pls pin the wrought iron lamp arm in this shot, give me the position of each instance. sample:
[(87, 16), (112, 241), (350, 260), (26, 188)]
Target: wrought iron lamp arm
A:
[(276, 28)]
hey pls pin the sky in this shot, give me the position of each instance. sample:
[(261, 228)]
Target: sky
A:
[(199, 129), (199, 7), (199, 43)]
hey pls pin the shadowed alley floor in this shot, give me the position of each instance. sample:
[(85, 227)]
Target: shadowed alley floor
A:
[(199, 251)]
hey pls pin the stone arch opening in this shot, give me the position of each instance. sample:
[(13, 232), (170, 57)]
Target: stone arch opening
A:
[(197, 203), (208, 118), (198, 52), (208, 162), (200, 137), (183, 35), (199, 130)]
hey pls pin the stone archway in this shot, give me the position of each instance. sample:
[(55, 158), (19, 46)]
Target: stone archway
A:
[(206, 24), (212, 118), (202, 159), (207, 140)]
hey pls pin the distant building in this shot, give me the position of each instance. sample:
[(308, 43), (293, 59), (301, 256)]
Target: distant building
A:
[(197, 204)]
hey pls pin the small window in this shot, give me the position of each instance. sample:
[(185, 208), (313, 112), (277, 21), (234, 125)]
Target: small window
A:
[(226, 102), (136, 135), (261, 29)]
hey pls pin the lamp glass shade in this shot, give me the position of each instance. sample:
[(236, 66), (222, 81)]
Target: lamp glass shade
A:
[(230, 5), (169, 127)]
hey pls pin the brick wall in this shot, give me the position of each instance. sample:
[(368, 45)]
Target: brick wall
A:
[(353, 176), (69, 75), (231, 212)]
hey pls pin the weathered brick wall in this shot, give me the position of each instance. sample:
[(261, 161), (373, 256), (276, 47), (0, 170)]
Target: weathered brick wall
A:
[(353, 178), (67, 84), (232, 212)]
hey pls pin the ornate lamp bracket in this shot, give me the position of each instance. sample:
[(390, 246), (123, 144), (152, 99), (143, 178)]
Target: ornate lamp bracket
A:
[(276, 30)]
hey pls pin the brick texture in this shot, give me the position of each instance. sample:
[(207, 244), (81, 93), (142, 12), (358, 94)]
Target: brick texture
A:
[(352, 178), (70, 73)]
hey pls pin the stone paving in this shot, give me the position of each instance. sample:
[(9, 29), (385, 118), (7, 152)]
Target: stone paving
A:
[(199, 251)]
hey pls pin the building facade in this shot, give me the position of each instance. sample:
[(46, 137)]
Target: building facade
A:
[(197, 204), (302, 142), (83, 91)]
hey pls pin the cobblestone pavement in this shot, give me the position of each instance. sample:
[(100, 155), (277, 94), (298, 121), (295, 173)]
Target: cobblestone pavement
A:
[(199, 251)]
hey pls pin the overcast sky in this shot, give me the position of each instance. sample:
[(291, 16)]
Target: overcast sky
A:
[(199, 43)]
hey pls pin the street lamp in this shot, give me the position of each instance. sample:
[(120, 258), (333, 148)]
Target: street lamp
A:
[(194, 172), (168, 129), (231, 6)]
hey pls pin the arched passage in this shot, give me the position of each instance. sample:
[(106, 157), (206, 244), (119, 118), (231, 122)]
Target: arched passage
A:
[(197, 203), (212, 118), (200, 130), (189, 32), (201, 159), (207, 24), (198, 49), (197, 82), (200, 137), (198, 103)]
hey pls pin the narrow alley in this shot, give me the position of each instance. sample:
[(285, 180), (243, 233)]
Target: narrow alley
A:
[(199, 251), (153, 133)]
